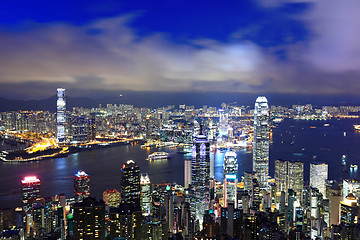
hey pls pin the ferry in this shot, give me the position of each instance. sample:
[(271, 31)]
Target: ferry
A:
[(158, 155), (278, 120), (353, 167)]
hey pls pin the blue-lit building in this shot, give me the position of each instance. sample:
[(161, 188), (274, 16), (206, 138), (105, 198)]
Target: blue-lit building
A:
[(200, 178), (61, 116)]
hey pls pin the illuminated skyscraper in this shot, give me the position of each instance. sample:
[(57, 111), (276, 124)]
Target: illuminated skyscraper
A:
[(130, 183), (248, 180), (91, 129), (349, 210), (261, 141), (318, 176), (295, 177), (223, 120), (81, 186), (230, 189), (30, 192), (230, 163), (187, 173), (112, 198), (280, 175), (200, 177), (78, 129), (61, 116), (289, 175), (145, 198)]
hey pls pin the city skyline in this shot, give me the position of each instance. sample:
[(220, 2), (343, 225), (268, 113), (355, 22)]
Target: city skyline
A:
[(214, 144), (303, 47), (180, 119)]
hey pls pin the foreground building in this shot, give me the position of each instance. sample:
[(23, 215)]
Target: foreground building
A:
[(30, 192), (81, 186), (200, 176), (89, 219), (130, 183)]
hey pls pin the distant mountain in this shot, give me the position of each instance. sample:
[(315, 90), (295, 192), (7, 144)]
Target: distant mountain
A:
[(197, 99)]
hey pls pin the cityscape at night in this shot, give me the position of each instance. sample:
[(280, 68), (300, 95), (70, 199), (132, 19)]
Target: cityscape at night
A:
[(162, 120)]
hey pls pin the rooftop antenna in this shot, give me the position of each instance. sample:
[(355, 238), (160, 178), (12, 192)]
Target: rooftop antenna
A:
[(201, 126)]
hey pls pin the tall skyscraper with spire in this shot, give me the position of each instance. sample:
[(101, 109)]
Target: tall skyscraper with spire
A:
[(261, 141), (61, 116), (200, 177)]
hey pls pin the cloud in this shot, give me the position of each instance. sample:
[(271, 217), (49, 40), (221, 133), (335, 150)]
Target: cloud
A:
[(110, 51), (336, 35), (108, 55)]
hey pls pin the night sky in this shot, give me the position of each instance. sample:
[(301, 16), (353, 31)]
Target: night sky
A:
[(257, 46)]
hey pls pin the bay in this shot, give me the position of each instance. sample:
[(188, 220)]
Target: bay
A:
[(302, 140)]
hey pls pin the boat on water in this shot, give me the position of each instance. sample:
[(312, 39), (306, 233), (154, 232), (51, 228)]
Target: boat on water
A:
[(343, 160), (158, 155), (353, 167), (357, 127), (278, 120), (185, 149)]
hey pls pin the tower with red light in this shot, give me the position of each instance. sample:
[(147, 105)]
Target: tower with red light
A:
[(81, 186), (30, 192)]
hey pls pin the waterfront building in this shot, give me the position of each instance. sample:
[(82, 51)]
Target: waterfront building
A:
[(200, 178), (230, 163), (112, 198), (318, 176), (130, 183), (30, 192), (78, 129), (91, 129), (145, 197), (89, 219), (81, 186), (61, 116), (261, 141)]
